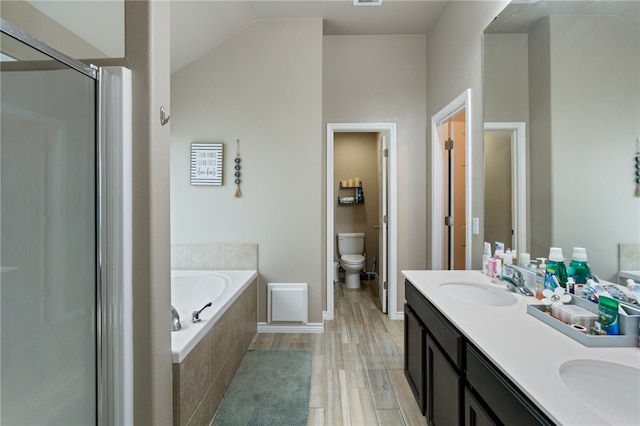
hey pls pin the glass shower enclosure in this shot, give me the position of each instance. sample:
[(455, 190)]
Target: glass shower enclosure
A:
[(49, 280)]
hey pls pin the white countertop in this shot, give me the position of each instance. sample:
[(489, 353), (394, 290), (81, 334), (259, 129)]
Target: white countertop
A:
[(524, 348)]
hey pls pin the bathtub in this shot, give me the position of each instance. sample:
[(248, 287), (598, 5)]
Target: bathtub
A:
[(190, 291)]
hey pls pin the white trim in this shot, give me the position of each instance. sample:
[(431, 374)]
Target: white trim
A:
[(316, 328), (461, 103), (519, 176), (392, 212)]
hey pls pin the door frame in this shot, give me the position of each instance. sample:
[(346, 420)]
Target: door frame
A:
[(460, 103), (390, 129), (518, 177)]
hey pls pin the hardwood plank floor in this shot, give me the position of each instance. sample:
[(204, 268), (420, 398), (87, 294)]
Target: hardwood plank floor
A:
[(357, 365)]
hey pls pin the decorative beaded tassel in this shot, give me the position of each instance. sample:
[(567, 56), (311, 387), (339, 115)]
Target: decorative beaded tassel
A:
[(638, 167), (237, 167)]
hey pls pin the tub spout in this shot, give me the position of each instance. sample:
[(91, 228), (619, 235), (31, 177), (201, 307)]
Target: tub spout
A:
[(195, 315), (175, 320)]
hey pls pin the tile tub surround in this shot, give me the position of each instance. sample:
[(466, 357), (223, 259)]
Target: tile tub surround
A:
[(200, 381), (216, 255)]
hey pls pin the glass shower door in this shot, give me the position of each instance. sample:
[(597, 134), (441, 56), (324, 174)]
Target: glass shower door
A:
[(48, 296)]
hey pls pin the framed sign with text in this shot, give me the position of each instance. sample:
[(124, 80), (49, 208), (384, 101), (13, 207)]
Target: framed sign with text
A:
[(206, 164)]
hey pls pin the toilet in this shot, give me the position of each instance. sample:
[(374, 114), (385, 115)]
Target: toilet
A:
[(351, 250)]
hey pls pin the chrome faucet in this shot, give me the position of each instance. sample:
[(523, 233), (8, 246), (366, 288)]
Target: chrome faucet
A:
[(175, 320), (195, 315), (514, 279)]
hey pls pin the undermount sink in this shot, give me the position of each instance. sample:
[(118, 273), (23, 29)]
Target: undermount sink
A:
[(478, 294), (610, 390)]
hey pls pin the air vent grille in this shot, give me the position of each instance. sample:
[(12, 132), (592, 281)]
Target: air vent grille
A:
[(367, 2)]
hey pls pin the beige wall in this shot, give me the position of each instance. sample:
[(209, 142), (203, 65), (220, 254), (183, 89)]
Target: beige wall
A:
[(454, 64), (382, 79), (148, 31), (263, 87), (356, 154), (595, 64)]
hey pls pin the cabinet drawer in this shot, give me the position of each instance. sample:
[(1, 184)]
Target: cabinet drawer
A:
[(506, 401), (447, 336)]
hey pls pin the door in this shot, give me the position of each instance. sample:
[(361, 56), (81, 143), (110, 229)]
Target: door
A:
[(383, 164), (48, 240), (453, 143)]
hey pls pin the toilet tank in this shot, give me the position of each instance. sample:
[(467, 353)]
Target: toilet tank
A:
[(351, 243)]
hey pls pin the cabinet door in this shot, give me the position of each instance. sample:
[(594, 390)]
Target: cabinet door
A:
[(474, 414), (444, 388), (414, 355)]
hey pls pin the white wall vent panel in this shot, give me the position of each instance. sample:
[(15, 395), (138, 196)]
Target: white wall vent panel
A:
[(287, 302)]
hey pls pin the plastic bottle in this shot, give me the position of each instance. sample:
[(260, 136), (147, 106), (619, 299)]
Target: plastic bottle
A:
[(508, 257), (555, 268), (540, 275), (486, 255), (579, 269)]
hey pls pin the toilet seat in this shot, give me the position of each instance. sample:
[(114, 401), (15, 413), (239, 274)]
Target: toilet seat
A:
[(352, 259)]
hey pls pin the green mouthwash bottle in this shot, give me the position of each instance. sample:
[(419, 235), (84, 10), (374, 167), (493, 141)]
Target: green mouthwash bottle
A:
[(579, 269), (555, 268)]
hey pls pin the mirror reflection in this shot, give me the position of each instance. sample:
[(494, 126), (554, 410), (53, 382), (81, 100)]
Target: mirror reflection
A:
[(567, 73)]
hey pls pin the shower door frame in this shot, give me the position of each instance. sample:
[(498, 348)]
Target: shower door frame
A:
[(113, 197)]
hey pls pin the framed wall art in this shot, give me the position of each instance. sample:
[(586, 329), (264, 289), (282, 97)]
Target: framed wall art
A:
[(206, 163)]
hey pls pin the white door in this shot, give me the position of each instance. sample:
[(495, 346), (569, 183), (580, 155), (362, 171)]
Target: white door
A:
[(383, 162)]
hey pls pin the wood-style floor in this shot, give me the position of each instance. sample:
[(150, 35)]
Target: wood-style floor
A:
[(357, 376)]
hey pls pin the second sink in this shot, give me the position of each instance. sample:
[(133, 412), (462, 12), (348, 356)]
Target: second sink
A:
[(478, 294)]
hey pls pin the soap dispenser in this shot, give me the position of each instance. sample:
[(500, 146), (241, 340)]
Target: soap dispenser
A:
[(540, 276)]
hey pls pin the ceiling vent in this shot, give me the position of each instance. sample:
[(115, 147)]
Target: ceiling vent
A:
[(367, 2)]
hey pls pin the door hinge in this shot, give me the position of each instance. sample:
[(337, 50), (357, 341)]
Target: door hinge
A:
[(384, 219), (385, 285), (448, 144), (385, 152), (448, 221)]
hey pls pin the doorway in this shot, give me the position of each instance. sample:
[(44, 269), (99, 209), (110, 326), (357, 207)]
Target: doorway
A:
[(451, 185), (505, 163), (382, 234)]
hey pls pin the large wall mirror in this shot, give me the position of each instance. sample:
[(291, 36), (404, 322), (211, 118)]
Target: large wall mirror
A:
[(562, 119)]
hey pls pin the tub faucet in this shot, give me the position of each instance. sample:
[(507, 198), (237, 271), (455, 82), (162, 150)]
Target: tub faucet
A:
[(195, 315), (175, 320)]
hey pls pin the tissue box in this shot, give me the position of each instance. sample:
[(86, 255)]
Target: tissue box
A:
[(572, 314)]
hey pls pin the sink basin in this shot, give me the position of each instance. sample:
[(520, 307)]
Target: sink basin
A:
[(478, 294), (610, 390)]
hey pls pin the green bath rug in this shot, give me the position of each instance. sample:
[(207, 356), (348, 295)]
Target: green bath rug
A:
[(271, 387)]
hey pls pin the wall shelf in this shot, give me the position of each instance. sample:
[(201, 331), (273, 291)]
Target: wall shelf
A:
[(357, 198)]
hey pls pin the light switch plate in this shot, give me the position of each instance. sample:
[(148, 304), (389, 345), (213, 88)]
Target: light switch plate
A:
[(476, 226)]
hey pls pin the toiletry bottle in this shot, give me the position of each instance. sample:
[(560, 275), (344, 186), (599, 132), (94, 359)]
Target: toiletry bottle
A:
[(498, 268), (579, 269), (492, 267), (508, 257), (557, 268), (486, 255), (571, 285), (540, 276)]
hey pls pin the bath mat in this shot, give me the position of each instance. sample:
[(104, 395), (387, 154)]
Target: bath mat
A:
[(271, 387)]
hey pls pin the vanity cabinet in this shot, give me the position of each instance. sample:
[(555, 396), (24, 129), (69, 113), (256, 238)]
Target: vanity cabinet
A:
[(434, 355), (452, 381), (415, 339)]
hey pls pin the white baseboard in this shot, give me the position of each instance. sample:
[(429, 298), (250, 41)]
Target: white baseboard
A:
[(264, 327), (326, 316)]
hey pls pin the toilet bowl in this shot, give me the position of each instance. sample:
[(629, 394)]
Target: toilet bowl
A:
[(352, 259)]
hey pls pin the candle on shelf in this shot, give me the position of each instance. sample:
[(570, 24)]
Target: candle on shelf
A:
[(350, 182), (357, 181)]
